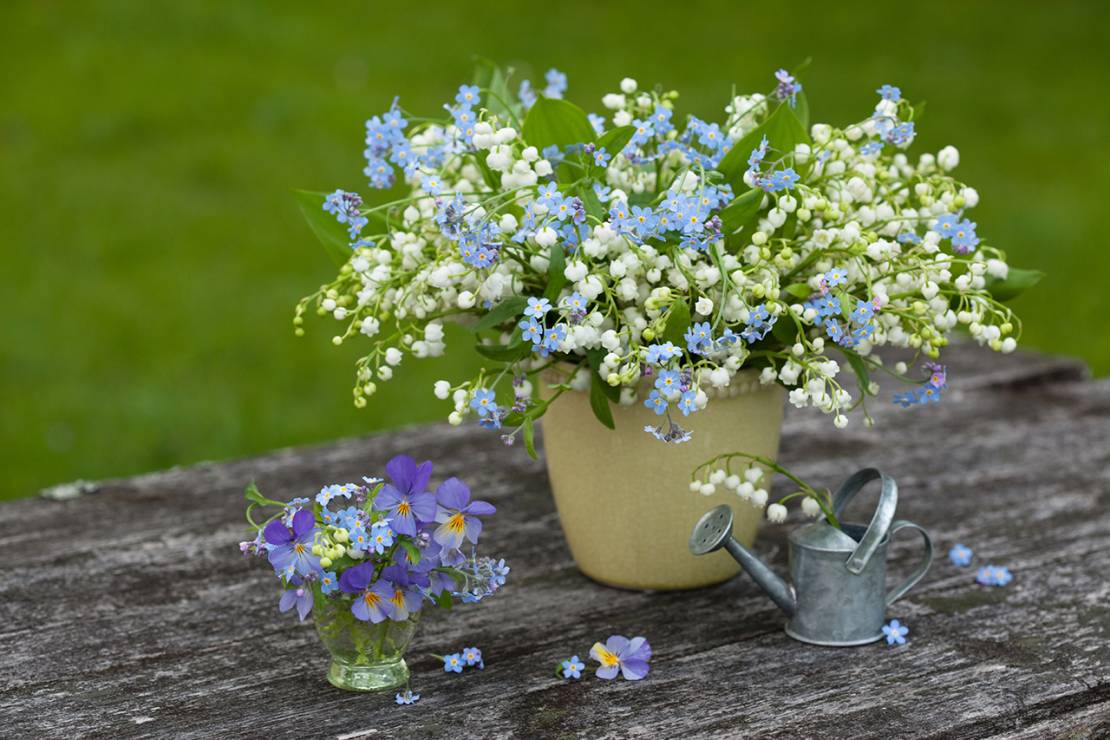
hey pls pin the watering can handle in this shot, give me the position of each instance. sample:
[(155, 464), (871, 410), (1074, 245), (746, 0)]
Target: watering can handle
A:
[(880, 522), (921, 569)]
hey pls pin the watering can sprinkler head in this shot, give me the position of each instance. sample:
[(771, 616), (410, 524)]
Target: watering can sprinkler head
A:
[(713, 531)]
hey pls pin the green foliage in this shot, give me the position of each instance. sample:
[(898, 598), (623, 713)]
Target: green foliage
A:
[(556, 279), (1017, 282), (783, 131), (331, 233), (553, 121), (678, 322), (508, 309)]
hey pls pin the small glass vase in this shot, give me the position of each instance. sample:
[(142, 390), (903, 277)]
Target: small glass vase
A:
[(364, 656)]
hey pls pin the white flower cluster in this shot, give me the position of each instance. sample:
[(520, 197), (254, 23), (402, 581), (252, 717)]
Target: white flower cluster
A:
[(651, 248)]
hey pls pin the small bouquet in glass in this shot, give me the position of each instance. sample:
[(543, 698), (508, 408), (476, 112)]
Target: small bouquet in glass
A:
[(369, 558)]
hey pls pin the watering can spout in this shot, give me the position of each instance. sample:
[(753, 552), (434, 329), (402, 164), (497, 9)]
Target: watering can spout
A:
[(714, 531)]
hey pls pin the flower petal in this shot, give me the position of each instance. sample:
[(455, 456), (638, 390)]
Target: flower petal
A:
[(453, 494), (304, 521), (277, 533), (424, 506), (402, 471), (608, 672), (481, 508), (634, 669)]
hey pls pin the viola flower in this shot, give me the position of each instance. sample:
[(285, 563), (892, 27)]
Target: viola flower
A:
[(895, 632), (619, 654), (407, 697), (473, 657), (404, 499), (573, 667), (458, 515), (301, 597), (960, 555), (372, 601), (452, 663), (292, 548), (405, 595)]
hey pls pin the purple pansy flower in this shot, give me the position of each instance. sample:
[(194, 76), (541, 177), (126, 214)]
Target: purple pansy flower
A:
[(300, 596), (404, 591), (372, 603), (405, 499), (619, 654), (293, 547), (458, 515)]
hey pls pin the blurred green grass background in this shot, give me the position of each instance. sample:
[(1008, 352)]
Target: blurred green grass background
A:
[(153, 251)]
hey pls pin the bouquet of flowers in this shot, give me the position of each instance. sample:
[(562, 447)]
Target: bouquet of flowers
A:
[(651, 256), (375, 553)]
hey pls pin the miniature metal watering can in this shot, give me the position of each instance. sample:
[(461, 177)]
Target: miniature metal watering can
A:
[(839, 594)]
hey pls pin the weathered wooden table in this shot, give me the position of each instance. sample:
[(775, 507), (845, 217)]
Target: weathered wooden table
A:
[(128, 611)]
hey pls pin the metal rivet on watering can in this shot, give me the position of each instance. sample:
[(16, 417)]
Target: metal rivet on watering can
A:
[(839, 593)]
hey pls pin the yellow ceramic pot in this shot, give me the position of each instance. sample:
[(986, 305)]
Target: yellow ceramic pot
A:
[(624, 498)]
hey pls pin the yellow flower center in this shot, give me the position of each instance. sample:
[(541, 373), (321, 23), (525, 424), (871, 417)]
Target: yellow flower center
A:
[(457, 523)]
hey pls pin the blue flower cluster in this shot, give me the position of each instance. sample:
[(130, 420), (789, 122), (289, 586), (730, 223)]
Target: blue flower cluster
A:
[(773, 181), (850, 333), (930, 391), (470, 657), (478, 239), (546, 339), (961, 233), (344, 206), (688, 215), (555, 87), (787, 88)]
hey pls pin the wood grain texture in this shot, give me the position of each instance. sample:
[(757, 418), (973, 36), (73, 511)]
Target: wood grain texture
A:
[(128, 611)]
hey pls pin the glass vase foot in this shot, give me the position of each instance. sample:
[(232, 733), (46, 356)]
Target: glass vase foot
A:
[(377, 677)]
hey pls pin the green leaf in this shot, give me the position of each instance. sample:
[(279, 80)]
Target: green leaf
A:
[(678, 322), (553, 121), (444, 600), (492, 180), (489, 76), (785, 330), (859, 367), (412, 550), (1017, 282), (599, 401), (783, 131), (517, 350), (801, 110), (253, 495), (742, 211), (556, 264), (799, 290), (528, 429), (595, 357), (332, 234), (507, 309), (616, 139)]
